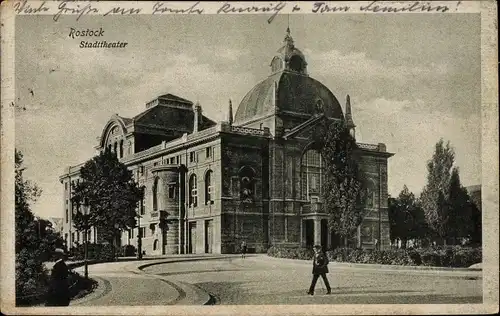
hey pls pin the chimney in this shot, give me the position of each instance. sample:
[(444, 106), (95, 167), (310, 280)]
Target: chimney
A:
[(197, 117), (230, 113)]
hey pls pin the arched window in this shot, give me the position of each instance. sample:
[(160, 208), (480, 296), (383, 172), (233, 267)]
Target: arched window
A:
[(193, 191), (155, 245), (209, 187), (115, 148), (155, 195), (247, 184), (296, 63), (276, 64), (370, 194), (312, 175)]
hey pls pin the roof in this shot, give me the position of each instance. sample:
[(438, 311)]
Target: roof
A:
[(175, 98), (171, 118), (126, 120), (295, 93)]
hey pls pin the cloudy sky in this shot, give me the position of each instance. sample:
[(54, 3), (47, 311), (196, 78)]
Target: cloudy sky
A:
[(412, 80)]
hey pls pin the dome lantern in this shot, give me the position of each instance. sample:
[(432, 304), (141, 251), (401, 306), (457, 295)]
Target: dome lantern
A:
[(289, 57)]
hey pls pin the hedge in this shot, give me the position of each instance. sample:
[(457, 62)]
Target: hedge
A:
[(454, 256), (104, 252)]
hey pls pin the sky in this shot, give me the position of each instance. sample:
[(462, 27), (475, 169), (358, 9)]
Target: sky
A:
[(412, 79)]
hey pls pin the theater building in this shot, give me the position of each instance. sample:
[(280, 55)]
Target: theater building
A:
[(255, 176)]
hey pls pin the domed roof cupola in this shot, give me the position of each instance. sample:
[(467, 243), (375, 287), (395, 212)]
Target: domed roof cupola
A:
[(289, 57)]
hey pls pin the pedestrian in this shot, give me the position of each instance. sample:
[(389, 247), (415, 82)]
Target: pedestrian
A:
[(243, 248), (58, 293), (320, 268)]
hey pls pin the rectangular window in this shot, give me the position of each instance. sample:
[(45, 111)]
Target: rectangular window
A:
[(208, 152), (172, 160), (66, 186), (153, 228), (141, 207), (67, 217), (142, 231), (141, 170), (192, 156), (177, 159), (171, 192), (155, 164)]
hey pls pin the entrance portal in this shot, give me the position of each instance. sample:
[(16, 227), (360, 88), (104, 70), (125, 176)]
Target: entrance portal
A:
[(308, 232)]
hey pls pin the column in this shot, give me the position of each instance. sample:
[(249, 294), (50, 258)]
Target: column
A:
[(302, 239), (317, 231)]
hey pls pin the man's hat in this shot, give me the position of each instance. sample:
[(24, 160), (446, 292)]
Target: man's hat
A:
[(59, 251)]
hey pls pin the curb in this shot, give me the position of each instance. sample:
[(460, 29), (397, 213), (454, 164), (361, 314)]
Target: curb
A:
[(381, 266), (101, 290)]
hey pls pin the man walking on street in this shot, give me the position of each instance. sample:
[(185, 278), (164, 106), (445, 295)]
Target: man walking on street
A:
[(58, 293), (320, 268), (243, 249)]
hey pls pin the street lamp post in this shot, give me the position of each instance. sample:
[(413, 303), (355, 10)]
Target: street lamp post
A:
[(86, 221), (139, 237)]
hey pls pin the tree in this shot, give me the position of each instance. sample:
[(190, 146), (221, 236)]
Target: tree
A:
[(110, 193), (462, 221), (35, 239), (434, 197), (406, 217), (449, 210), (342, 192)]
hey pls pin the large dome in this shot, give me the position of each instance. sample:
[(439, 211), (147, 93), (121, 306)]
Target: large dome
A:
[(295, 92)]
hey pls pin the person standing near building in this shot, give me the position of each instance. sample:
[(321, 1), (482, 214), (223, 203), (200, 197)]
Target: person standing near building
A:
[(320, 268), (58, 293), (243, 248)]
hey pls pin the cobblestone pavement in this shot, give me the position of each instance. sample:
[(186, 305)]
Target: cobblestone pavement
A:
[(261, 280)]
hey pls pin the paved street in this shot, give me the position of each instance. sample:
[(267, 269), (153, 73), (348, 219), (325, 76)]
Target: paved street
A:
[(263, 280)]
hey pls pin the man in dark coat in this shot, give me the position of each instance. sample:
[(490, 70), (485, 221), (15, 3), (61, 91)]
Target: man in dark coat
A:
[(58, 293), (320, 268)]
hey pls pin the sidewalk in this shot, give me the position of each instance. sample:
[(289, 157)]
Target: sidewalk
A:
[(125, 283)]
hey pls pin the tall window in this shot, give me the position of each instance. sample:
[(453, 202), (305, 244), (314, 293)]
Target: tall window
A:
[(121, 148), (155, 195), (141, 202), (370, 194), (115, 147), (193, 191), (171, 191), (312, 174), (247, 184), (192, 157), (209, 187)]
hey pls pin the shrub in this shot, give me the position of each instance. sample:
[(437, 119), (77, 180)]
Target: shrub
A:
[(104, 252), (455, 256), (79, 286), (128, 251), (290, 253), (31, 278)]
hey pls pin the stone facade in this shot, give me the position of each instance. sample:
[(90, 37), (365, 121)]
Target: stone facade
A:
[(209, 186)]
